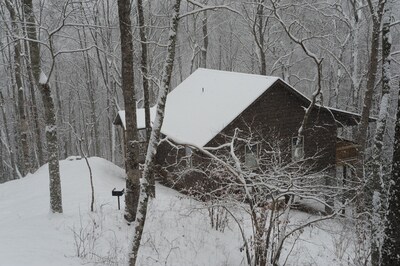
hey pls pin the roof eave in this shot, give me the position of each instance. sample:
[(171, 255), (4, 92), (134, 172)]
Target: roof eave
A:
[(346, 118)]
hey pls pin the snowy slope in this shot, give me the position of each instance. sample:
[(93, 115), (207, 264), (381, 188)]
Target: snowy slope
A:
[(29, 234), (177, 232)]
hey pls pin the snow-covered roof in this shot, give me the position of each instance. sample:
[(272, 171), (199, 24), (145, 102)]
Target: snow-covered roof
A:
[(140, 118), (207, 101)]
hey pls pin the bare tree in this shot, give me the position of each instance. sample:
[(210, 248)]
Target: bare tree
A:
[(204, 48), (376, 16), (155, 135), (52, 145), (377, 184), (259, 23), (49, 109), (80, 140), (391, 241), (266, 192), (5, 140), (23, 124), (144, 66), (33, 71), (145, 80), (128, 89), (316, 95)]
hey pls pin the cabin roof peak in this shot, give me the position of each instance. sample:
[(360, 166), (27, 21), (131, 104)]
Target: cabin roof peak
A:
[(209, 100)]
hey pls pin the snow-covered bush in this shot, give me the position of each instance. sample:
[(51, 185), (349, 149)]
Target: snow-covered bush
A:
[(267, 190), (94, 242)]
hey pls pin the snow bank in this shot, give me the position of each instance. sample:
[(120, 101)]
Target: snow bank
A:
[(177, 231), (30, 235), (176, 234)]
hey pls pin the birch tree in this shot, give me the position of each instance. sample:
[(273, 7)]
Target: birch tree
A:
[(377, 183), (391, 242), (155, 135)]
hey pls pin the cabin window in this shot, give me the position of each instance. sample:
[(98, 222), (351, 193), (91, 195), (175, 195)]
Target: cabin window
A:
[(142, 135), (188, 155), (297, 148), (251, 155)]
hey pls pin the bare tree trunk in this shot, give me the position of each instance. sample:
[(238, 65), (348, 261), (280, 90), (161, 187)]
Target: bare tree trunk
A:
[(23, 124), (155, 136), (52, 147), (128, 89), (59, 113), (34, 55), (261, 29), (391, 244), (38, 150), (355, 52), (90, 174), (377, 184), (13, 166), (49, 112), (3, 172), (258, 33), (104, 70), (144, 68), (315, 95), (361, 137), (204, 49), (93, 129)]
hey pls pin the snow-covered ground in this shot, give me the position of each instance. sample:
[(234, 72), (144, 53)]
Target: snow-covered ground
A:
[(177, 232)]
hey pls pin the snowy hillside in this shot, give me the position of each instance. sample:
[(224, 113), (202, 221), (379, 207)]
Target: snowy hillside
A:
[(178, 231)]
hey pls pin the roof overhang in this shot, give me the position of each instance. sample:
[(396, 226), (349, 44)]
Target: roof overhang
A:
[(346, 118), (342, 117), (119, 119)]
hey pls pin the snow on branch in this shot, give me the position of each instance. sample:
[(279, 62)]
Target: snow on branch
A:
[(203, 8), (394, 23), (314, 57)]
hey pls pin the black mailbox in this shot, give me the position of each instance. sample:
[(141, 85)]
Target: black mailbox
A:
[(117, 193)]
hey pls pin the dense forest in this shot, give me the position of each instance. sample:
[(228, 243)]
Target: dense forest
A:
[(68, 67)]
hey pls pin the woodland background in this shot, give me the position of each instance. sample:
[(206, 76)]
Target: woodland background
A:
[(79, 40)]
